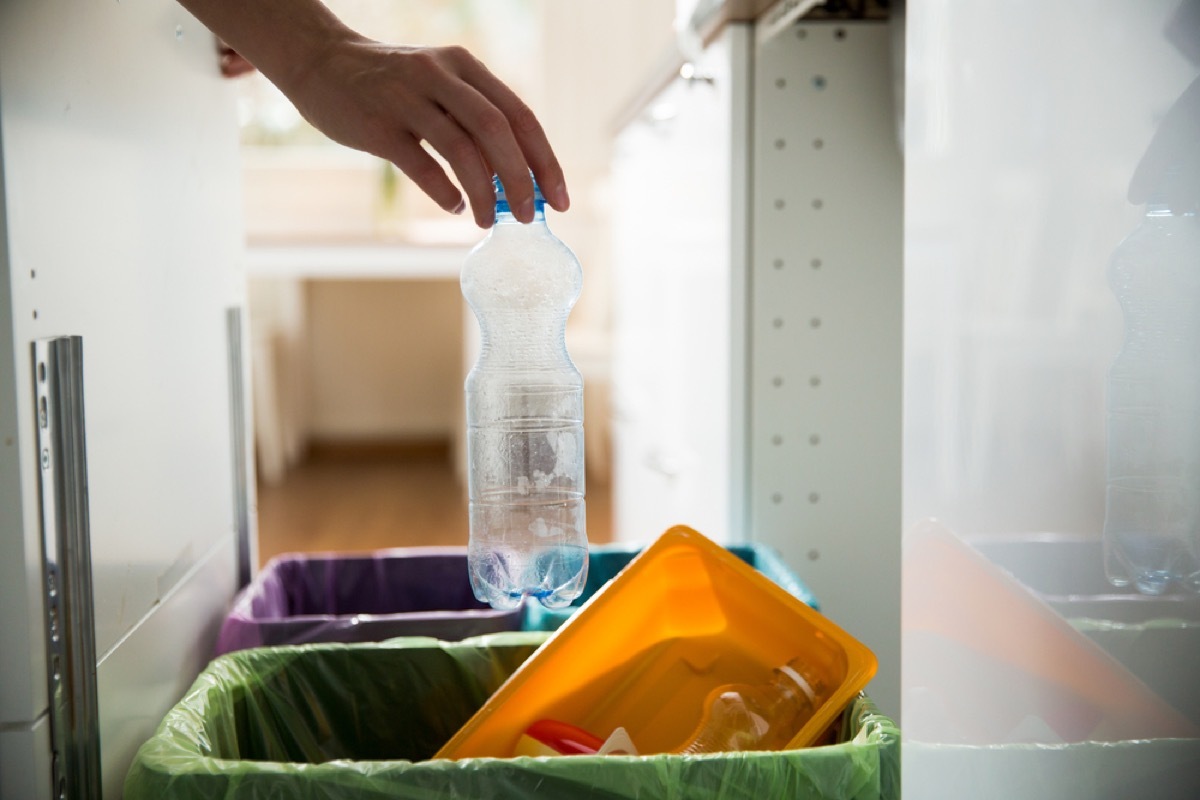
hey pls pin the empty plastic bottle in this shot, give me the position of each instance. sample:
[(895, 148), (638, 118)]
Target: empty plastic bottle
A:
[(1152, 503), (740, 716), (524, 416)]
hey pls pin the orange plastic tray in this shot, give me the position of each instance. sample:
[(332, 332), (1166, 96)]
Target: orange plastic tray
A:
[(683, 617)]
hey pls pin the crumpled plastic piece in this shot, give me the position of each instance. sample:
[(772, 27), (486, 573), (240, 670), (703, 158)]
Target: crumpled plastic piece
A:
[(305, 599), (360, 721)]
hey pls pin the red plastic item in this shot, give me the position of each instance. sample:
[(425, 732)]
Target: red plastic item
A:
[(548, 737)]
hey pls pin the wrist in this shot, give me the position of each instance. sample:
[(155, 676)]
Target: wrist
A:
[(309, 53), (282, 38)]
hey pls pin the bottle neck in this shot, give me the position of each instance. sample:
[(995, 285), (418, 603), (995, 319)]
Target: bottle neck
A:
[(799, 684)]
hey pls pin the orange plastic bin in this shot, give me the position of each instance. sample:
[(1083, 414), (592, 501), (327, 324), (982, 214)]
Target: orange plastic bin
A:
[(683, 617)]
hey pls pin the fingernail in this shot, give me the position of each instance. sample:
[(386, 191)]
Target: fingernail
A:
[(460, 208), (560, 192), (526, 210)]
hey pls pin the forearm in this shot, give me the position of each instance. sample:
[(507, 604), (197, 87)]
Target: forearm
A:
[(282, 38), (391, 101)]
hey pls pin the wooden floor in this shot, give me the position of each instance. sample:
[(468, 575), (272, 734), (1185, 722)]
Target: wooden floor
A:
[(339, 501)]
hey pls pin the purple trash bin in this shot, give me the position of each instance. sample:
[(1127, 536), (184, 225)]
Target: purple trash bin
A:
[(330, 597)]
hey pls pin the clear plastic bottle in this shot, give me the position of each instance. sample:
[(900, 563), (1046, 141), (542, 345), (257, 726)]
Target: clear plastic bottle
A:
[(740, 716), (524, 417), (1152, 502)]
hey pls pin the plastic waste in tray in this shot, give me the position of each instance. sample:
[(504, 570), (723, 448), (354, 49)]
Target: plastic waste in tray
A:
[(524, 416), (685, 616), (740, 717)]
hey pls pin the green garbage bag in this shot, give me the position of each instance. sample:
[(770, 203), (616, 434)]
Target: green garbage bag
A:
[(361, 721)]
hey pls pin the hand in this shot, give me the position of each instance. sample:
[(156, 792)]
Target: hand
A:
[(233, 64), (388, 100)]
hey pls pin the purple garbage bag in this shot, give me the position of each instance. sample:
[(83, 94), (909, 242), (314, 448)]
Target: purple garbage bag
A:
[(301, 599)]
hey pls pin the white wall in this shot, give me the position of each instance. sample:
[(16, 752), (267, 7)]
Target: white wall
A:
[(385, 359)]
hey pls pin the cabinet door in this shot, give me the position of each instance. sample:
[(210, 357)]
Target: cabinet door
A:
[(672, 307), (121, 225)]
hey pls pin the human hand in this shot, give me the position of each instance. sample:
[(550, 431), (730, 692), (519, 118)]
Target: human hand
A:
[(232, 63), (387, 100)]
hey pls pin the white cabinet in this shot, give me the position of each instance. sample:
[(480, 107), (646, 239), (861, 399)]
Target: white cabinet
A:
[(673, 210), (120, 225)]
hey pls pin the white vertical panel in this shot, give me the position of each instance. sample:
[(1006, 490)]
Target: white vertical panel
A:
[(22, 657), (672, 309), (25, 760), (741, 206), (825, 324), (155, 665), (122, 226)]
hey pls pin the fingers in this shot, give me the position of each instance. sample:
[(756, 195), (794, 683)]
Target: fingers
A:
[(411, 159), (542, 160), (429, 121), (461, 151), (232, 63), (388, 100), (524, 127), (474, 132), (476, 127)]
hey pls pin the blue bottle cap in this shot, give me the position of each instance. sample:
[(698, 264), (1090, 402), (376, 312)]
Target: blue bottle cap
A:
[(502, 200)]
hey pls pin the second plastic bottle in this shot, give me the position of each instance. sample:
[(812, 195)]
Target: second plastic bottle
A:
[(739, 716), (524, 401)]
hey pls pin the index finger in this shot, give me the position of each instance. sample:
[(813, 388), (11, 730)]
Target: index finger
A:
[(526, 128)]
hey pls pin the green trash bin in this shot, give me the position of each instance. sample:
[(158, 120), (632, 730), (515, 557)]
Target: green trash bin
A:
[(606, 560), (361, 721)]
